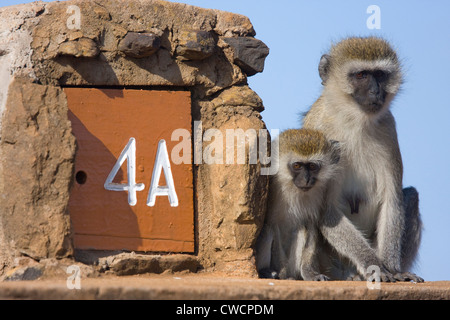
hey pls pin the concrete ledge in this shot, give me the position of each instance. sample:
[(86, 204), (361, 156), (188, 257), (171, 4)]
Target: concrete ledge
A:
[(217, 287)]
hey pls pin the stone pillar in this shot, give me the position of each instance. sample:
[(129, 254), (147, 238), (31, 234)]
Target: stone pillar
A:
[(147, 44)]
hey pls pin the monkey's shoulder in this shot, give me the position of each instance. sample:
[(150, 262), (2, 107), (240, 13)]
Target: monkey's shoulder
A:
[(314, 112)]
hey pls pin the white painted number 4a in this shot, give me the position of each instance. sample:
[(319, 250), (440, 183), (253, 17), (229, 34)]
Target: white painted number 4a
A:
[(162, 163), (128, 153)]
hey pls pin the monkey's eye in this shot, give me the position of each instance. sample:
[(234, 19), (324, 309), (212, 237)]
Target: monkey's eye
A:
[(313, 167), (296, 165), (361, 75)]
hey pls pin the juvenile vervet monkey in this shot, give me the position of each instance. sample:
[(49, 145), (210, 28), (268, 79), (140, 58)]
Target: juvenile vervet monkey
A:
[(288, 246), (361, 76)]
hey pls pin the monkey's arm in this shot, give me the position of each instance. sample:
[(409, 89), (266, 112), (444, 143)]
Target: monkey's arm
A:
[(392, 221), (350, 243)]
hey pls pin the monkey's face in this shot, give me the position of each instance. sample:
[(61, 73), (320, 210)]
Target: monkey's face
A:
[(369, 89), (304, 174), (365, 70)]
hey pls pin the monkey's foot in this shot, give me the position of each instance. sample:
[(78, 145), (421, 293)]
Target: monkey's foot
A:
[(268, 274), (320, 277), (386, 276), (408, 276), (354, 277)]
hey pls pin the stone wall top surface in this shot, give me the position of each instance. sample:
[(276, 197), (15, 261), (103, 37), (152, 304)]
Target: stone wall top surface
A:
[(137, 42)]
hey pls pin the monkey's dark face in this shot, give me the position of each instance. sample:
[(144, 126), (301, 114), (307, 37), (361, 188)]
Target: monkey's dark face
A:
[(304, 174), (369, 89)]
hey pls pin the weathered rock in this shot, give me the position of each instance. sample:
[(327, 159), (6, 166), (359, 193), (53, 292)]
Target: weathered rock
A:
[(238, 96), (37, 156), (25, 268), (209, 52), (130, 263), (179, 263), (233, 25), (249, 53), (195, 45), (102, 13), (63, 268), (82, 47), (24, 273), (129, 266), (227, 236), (186, 32), (140, 45)]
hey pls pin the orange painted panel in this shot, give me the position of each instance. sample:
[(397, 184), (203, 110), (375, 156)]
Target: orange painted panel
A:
[(103, 121)]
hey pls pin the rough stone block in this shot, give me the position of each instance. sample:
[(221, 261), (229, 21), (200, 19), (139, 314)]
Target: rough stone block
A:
[(140, 45), (131, 263), (249, 53), (231, 24), (24, 273), (83, 47), (37, 157), (228, 235), (238, 96), (195, 45)]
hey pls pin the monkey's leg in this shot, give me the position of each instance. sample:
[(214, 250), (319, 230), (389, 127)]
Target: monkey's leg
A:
[(412, 235), (297, 245), (279, 261), (309, 264), (264, 253), (390, 227)]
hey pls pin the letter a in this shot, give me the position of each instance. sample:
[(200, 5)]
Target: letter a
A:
[(162, 162), (74, 21), (374, 21)]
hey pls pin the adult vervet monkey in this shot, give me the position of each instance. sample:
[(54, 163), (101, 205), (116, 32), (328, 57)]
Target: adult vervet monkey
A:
[(290, 242), (361, 76)]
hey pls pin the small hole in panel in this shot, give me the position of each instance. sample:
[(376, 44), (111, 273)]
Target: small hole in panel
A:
[(81, 177)]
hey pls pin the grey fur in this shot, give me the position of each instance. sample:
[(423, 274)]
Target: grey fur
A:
[(386, 231), (288, 246)]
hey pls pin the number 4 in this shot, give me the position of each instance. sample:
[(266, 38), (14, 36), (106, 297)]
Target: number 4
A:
[(128, 153), (162, 163)]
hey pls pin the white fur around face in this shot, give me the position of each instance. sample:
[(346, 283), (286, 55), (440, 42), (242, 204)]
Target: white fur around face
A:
[(386, 65), (340, 104), (299, 205)]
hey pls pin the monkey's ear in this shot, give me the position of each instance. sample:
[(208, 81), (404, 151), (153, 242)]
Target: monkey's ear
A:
[(336, 153), (324, 67)]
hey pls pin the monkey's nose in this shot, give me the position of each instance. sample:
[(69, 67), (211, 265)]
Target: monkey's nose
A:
[(374, 87)]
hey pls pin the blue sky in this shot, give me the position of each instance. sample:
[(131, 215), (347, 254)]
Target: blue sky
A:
[(299, 32)]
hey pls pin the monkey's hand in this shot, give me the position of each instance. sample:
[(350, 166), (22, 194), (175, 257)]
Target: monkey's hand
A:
[(408, 276), (384, 274)]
